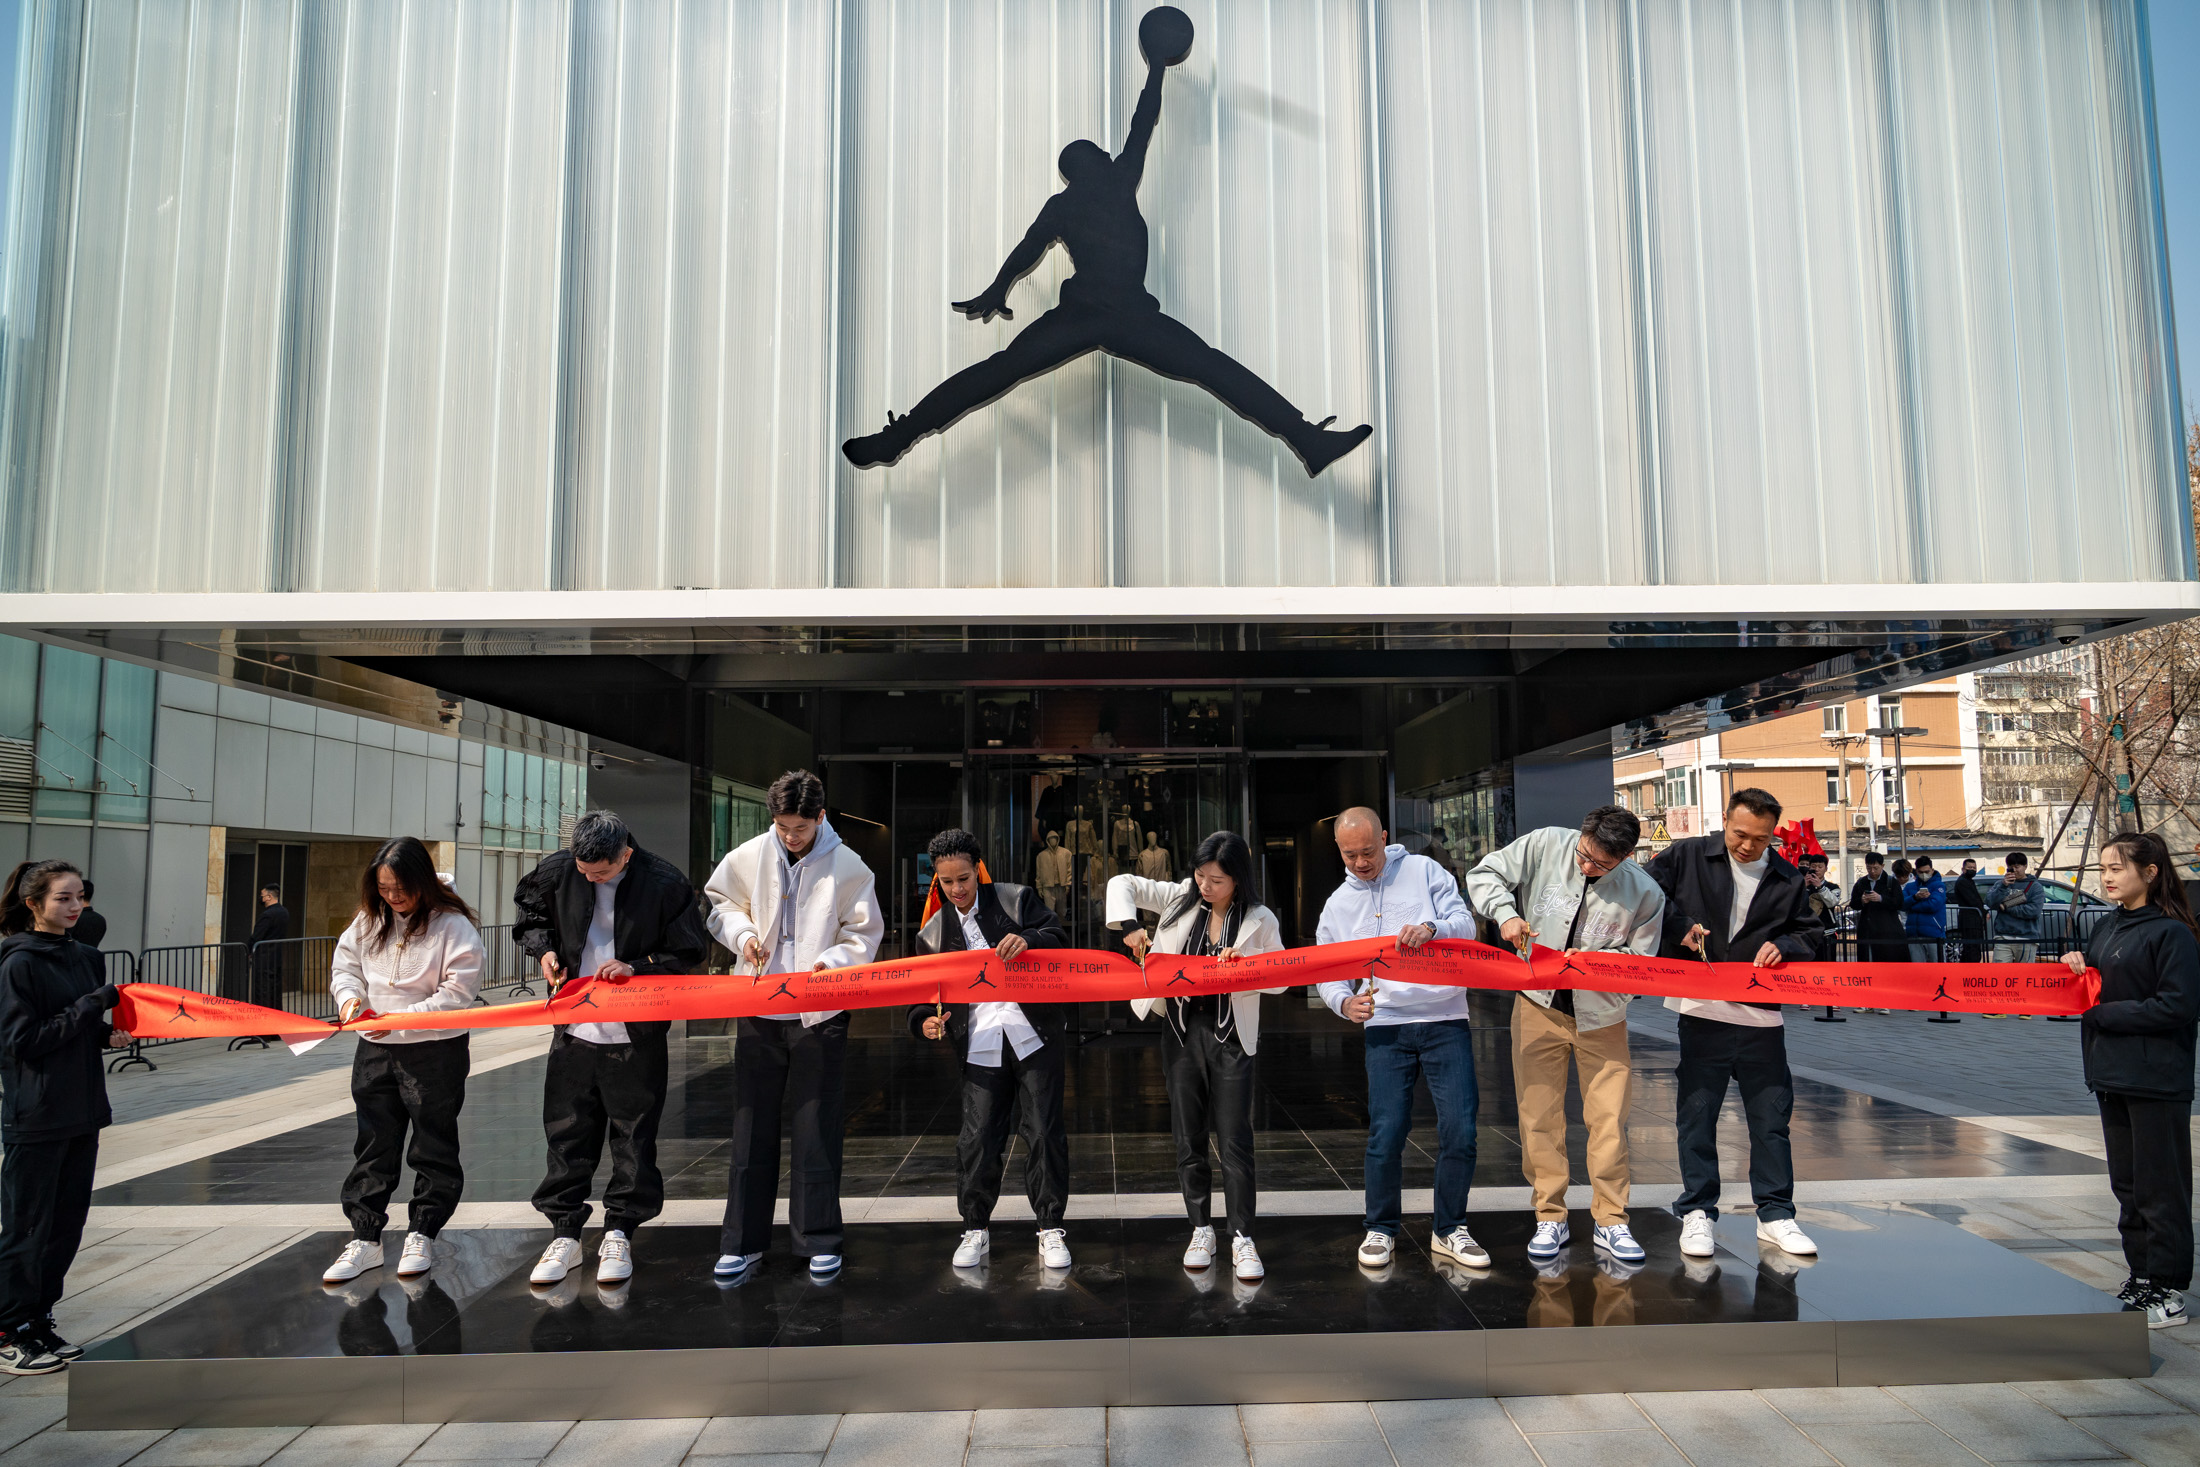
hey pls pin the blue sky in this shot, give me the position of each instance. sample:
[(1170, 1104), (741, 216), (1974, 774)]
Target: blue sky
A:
[(2176, 28)]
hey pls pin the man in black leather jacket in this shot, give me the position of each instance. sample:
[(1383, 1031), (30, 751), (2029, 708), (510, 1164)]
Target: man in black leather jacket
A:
[(1007, 1050)]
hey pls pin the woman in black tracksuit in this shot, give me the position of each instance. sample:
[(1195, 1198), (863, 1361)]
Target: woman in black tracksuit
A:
[(2138, 1063), (54, 995)]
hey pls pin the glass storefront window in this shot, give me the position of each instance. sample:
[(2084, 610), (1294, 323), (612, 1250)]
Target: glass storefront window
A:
[(1202, 719), (68, 730), (736, 816), (126, 744), (492, 797), (902, 722), (1310, 719)]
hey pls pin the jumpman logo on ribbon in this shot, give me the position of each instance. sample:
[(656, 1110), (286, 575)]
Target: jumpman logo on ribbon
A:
[(784, 990), (1570, 966), (981, 981), (182, 1015), (587, 1001), (1179, 978), (1940, 994), (1105, 305), (1753, 983)]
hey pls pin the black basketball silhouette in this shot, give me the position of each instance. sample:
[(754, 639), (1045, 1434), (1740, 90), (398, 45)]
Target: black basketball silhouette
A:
[(1165, 35)]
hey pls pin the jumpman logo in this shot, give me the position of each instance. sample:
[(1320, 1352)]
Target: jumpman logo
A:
[(981, 981), (1179, 978), (1569, 966), (1753, 983), (181, 1016), (1104, 305), (587, 1001), (784, 990), (1941, 992), (1378, 961)]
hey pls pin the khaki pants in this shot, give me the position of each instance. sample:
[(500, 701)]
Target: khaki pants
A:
[(1542, 1041)]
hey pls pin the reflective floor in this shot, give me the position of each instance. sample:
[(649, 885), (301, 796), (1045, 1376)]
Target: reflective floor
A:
[(1310, 1118), (1879, 1263)]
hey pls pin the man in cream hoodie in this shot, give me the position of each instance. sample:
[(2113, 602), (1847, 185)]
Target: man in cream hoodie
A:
[(1414, 1030), (793, 900), (1576, 891)]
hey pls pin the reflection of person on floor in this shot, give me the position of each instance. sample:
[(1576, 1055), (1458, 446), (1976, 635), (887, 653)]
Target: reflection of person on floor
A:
[(412, 948), (1208, 1042), (1577, 890), (1010, 1052), (1413, 1031), (1611, 1294), (431, 1317), (604, 908), (2139, 1041), (792, 900), (1731, 897), (1104, 306), (54, 996)]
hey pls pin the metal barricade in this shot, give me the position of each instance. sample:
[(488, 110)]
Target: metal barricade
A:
[(507, 967), (216, 969), (123, 968)]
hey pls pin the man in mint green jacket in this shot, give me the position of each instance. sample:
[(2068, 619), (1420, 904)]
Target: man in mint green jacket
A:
[(1576, 891)]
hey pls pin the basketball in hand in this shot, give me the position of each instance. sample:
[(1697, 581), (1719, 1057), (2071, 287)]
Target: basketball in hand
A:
[(1165, 35)]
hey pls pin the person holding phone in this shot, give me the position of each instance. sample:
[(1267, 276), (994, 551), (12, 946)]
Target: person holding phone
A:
[(1207, 1043), (2138, 1041), (411, 948)]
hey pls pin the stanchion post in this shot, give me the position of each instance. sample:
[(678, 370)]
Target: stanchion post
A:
[(1829, 1017)]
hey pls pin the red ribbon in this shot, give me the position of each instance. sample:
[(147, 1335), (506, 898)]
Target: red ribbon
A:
[(1075, 975)]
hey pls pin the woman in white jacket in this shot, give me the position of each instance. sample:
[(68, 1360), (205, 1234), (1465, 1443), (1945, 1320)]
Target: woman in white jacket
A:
[(412, 949), (1207, 1042)]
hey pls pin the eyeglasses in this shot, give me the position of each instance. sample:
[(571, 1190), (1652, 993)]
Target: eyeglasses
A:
[(1595, 863)]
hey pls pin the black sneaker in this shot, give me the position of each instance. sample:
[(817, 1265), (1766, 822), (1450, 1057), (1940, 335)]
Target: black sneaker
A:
[(23, 1354), (51, 1339)]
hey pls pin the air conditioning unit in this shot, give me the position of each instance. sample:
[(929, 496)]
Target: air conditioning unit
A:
[(1859, 820)]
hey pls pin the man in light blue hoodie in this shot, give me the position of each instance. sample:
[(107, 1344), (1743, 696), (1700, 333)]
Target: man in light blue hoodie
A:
[(1414, 1030)]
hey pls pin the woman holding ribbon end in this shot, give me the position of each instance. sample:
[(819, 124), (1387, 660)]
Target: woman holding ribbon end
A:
[(2139, 1040), (412, 948), (54, 995), (1207, 1042)]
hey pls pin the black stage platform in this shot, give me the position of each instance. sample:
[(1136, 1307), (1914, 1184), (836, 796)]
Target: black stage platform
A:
[(1895, 1298)]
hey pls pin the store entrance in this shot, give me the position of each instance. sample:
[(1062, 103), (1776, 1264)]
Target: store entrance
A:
[(1066, 823)]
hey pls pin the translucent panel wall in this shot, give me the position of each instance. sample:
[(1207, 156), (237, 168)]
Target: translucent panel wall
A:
[(517, 294)]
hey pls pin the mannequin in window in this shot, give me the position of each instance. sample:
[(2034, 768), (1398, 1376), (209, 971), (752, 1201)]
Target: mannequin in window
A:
[(1153, 862), (1123, 837), (1056, 870), (1079, 836)]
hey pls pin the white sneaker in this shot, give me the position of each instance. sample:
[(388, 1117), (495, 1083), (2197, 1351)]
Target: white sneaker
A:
[(1459, 1246), (1699, 1239), (2165, 1307), (557, 1261), (614, 1258), (1549, 1241), (418, 1257), (972, 1250), (1053, 1250), (358, 1256), (1376, 1249), (1619, 1241), (1201, 1253), (1787, 1235), (1245, 1259)]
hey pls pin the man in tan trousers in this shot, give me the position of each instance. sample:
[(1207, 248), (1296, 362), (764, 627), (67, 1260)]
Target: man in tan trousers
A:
[(1576, 891)]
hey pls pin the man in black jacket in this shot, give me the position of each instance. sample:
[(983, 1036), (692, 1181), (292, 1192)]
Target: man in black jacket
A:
[(1732, 898), (1007, 1050), (1877, 901), (604, 908), (272, 925)]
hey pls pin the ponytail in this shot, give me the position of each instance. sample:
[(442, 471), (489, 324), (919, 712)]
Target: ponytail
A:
[(2143, 849), (27, 886)]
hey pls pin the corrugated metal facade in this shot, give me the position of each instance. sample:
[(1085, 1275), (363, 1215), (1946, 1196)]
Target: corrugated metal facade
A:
[(401, 295)]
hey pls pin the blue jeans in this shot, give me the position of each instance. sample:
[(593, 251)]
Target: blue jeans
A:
[(1443, 1053)]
